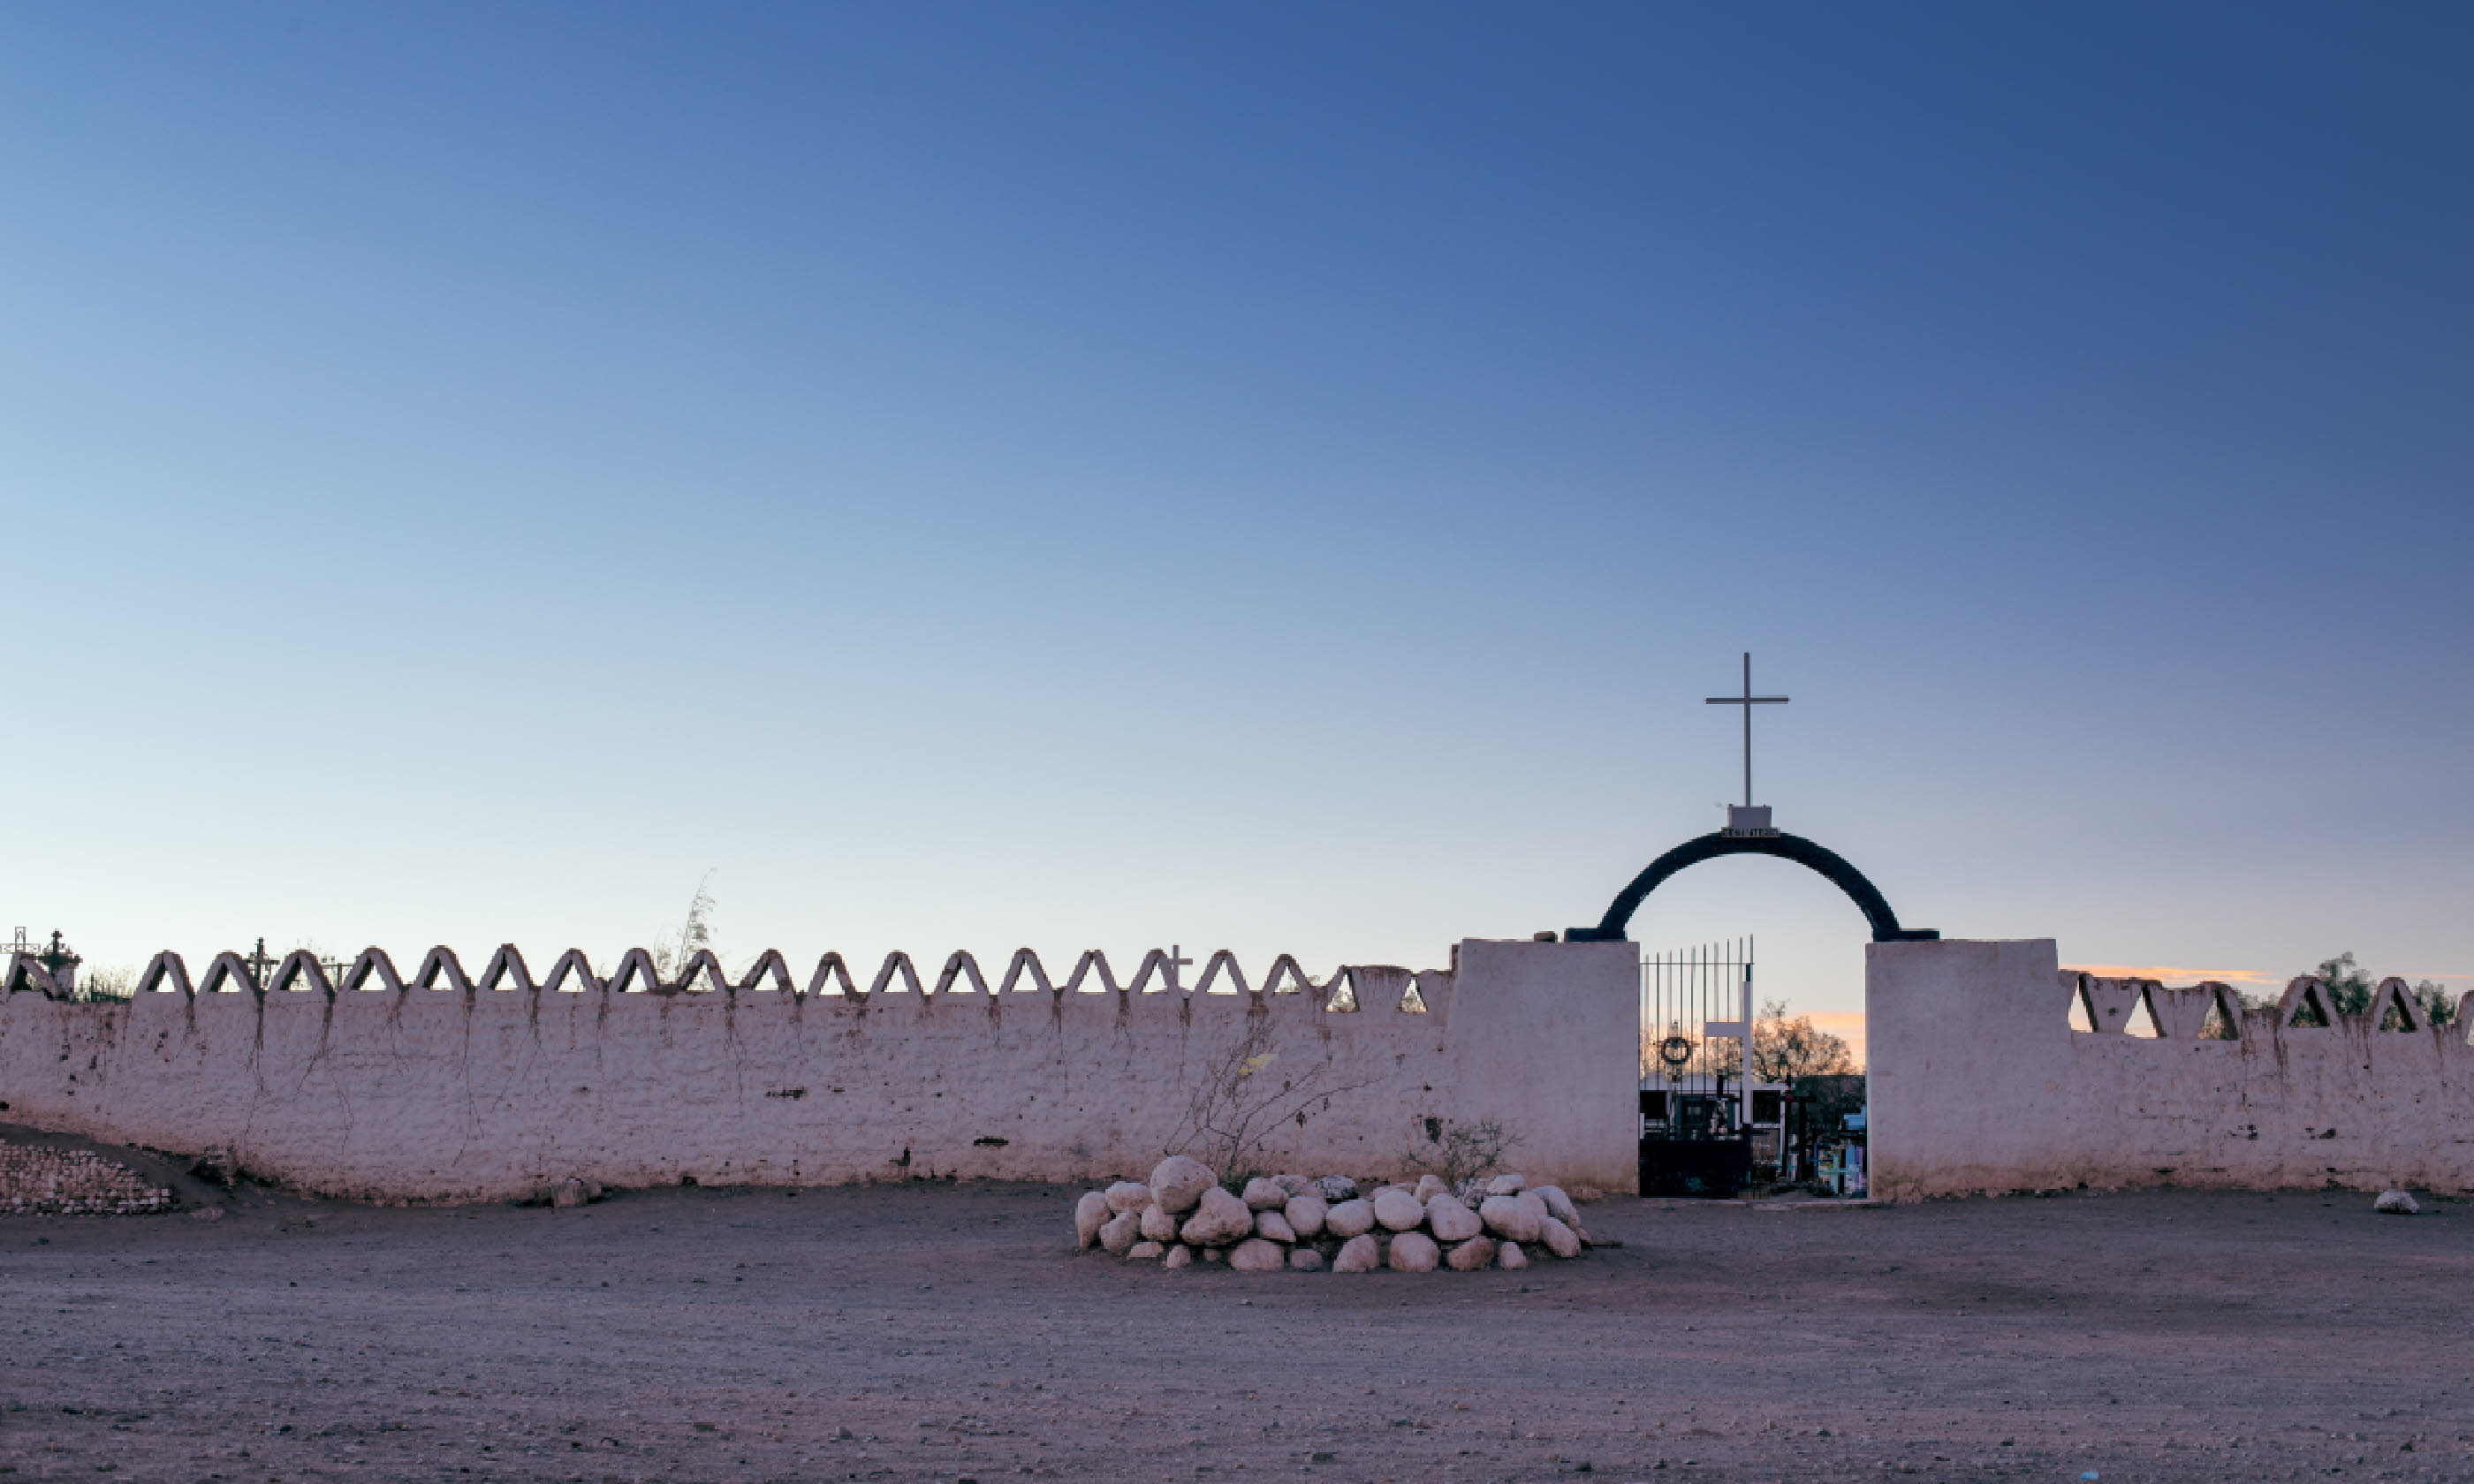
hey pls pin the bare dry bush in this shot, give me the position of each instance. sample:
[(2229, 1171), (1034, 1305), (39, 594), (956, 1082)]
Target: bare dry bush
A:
[(1458, 1153), (1244, 1096)]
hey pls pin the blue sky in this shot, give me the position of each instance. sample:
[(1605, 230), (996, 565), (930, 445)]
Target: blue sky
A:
[(1280, 478)]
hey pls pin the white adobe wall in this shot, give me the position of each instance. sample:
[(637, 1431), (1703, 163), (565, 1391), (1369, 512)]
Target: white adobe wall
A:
[(1979, 1083), (437, 1095)]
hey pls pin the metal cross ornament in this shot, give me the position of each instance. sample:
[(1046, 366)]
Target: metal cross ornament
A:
[(1748, 701)]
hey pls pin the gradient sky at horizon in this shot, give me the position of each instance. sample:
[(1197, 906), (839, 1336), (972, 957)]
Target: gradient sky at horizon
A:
[(1273, 477)]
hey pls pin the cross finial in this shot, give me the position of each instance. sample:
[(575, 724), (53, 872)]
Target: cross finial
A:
[(58, 956), (1748, 701), (1177, 961)]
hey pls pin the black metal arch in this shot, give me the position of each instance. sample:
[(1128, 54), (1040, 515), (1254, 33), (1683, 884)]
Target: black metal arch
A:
[(1795, 847)]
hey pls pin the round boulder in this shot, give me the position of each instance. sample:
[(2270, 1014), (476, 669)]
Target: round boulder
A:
[(1218, 1218), (1090, 1214), (1413, 1252), (1125, 1195), (1263, 1195), (1509, 1219), (1509, 1256), (1349, 1218), (1255, 1255), (1306, 1259), (1470, 1255), (1398, 1209), (1450, 1221), (1123, 1231), (1560, 1239), (1271, 1224), (1178, 1182), (1358, 1254), (1305, 1214), (1158, 1226)]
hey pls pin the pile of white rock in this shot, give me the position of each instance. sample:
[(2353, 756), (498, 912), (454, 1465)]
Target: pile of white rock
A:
[(39, 1180), (1183, 1215)]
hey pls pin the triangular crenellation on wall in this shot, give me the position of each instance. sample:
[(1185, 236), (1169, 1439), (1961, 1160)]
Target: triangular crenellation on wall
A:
[(2393, 1009), (644, 1082), (2141, 1021), (2234, 1095), (2305, 1006), (2223, 1020)]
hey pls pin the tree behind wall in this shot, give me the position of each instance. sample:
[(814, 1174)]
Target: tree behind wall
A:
[(670, 953), (2350, 988), (1784, 1049)]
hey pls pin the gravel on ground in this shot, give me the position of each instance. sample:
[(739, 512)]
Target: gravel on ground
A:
[(934, 1331)]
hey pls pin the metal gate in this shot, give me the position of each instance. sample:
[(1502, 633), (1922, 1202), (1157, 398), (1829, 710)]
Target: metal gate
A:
[(1696, 1091)]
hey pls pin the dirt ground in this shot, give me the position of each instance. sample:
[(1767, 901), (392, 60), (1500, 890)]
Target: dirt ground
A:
[(944, 1332)]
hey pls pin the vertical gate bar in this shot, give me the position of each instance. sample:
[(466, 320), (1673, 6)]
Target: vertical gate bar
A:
[(1748, 1035)]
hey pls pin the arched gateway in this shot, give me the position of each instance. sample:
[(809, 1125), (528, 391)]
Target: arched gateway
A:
[(1753, 842)]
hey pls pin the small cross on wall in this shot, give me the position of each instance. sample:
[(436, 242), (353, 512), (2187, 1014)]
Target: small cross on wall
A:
[(258, 963), (58, 957)]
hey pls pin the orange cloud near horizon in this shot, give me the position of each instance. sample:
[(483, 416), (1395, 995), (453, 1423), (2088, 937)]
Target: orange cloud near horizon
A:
[(1848, 1025), (2171, 971)]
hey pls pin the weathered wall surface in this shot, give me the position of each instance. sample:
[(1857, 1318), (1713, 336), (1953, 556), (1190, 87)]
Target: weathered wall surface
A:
[(1978, 1083), (448, 1095)]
